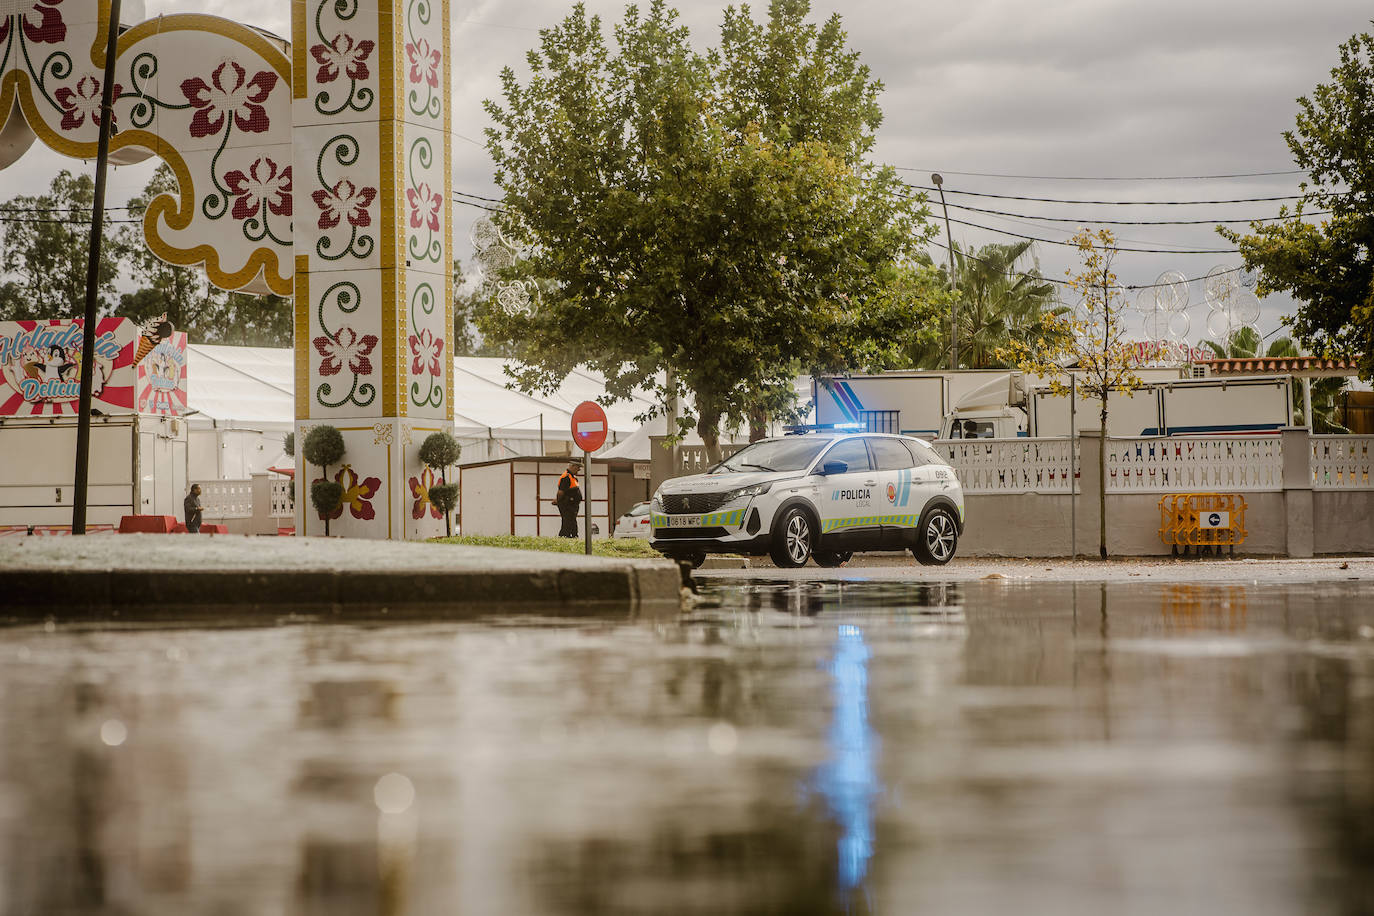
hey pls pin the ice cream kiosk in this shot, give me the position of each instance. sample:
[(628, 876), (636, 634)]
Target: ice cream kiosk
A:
[(138, 434)]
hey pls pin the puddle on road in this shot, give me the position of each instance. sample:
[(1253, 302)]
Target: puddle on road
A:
[(785, 747)]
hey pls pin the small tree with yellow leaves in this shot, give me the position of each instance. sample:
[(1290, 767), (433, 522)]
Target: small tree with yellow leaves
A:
[(1092, 345)]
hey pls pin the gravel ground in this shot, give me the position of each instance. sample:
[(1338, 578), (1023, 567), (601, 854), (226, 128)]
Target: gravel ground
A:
[(891, 567)]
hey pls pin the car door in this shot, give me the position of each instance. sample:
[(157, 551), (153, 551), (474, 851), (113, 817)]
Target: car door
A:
[(849, 507), (930, 477), (895, 470)]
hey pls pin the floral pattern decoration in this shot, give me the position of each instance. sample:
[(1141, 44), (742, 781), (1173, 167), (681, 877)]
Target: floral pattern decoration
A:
[(82, 101), (229, 96), (345, 347), (426, 351), (344, 201), (419, 488), (424, 63), (342, 55), (41, 23), (265, 188), (358, 493), (424, 207)]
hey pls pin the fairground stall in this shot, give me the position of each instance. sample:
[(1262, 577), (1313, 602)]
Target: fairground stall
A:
[(138, 434)]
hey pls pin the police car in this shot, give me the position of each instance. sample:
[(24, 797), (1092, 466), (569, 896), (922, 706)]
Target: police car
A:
[(819, 496)]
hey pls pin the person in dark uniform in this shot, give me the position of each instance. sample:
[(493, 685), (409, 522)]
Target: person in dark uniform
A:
[(192, 507), (568, 501)]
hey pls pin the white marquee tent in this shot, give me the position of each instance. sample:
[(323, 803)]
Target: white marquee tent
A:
[(242, 406)]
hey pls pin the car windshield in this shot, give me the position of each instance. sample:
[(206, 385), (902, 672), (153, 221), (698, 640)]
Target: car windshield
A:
[(773, 455), (639, 509)]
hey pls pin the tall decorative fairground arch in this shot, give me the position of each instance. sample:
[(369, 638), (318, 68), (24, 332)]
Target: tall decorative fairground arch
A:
[(317, 169)]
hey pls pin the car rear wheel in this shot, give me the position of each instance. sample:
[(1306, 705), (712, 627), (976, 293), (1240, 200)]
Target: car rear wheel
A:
[(937, 539), (832, 558), (792, 538)]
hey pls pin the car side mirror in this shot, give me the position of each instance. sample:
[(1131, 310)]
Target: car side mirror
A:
[(834, 467)]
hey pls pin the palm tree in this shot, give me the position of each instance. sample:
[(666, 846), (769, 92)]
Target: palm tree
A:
[(997, 301)]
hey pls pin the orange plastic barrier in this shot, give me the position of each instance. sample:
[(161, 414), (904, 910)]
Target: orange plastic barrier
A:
[(1202, 521)]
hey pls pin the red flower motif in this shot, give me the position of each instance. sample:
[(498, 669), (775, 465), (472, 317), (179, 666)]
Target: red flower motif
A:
[(82, 101), (229, 94), (424, 207), (424, 62), (356, 495), (427, 350), (342, 53), (345, 347), (42, 23), (419, 488), (262, 184), (344, 200)]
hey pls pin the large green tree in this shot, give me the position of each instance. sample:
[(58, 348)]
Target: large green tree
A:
[(46, 252), (1328, 266), (713, 217)]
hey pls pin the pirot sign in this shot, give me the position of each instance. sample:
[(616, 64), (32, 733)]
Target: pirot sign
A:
[(40, 367)]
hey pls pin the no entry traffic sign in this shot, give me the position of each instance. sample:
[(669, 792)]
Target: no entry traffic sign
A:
[(589, 426)]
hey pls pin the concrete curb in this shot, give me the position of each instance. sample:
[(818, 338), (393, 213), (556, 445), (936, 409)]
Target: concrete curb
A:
[(131, 594)]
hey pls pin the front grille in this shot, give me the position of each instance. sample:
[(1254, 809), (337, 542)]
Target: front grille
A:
[(692, 503), (672, 534)]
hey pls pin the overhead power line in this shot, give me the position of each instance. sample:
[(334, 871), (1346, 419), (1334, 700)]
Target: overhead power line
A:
[(1041, 277), (1131, 222), (1113, 248), (902, 168), (1110, 203)]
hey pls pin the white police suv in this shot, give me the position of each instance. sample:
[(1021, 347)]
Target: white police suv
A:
[(818, 495)]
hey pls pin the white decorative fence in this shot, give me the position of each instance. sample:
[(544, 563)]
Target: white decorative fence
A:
[(283, 503), (1011, 465), (1342, 462), (226, 498), (1205, 464), (1159, 465)]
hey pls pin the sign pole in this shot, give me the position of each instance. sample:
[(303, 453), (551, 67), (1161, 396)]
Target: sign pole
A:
[(589, 428), (587, 502), (102, 155)]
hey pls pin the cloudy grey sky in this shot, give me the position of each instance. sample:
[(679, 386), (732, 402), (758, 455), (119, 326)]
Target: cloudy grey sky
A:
[(1095, 89)]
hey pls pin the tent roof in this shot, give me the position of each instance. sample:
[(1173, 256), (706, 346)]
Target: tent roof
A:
[(241, 385), (254, 386)]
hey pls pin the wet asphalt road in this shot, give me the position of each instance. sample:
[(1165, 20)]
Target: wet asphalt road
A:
[(786, 747)]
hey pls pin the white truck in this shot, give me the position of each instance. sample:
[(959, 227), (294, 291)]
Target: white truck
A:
[(911, 403), (1008, 407)]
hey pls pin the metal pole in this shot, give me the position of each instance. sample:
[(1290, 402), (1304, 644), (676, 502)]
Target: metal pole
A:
[(102, 155), (587, 502), (1073, 463), (954, 302), (1307, 404)]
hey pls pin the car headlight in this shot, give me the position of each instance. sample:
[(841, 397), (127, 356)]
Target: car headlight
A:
[(757, 489), (655, 504)]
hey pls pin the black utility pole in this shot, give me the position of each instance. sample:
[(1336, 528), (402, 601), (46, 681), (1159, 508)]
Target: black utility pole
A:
[(102, 155), (954, 302)]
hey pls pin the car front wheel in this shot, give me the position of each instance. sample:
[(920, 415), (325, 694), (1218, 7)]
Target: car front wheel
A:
[(792, 539), (938, 538)]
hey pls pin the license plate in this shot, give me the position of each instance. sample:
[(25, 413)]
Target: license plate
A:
[(684, 521)]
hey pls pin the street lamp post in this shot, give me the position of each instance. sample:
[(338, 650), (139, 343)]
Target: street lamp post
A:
[(83, 421), (954, 300)]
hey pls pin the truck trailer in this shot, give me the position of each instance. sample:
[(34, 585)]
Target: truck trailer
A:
[(1008, 407)]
